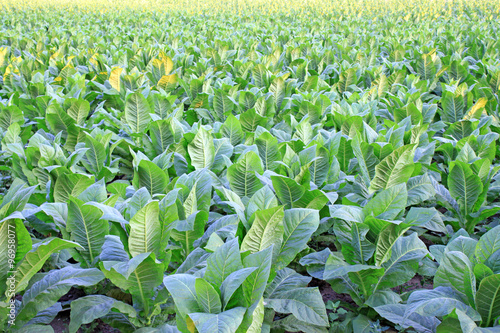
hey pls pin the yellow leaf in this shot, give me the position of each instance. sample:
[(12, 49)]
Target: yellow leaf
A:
[(167, 81), (69, 60), (476, 110), (3, 54), (169, 64), (11, 69), (93, 60), (53, 58), (114, 77)]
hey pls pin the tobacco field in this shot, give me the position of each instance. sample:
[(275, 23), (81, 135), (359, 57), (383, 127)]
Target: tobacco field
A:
[(249, 166)]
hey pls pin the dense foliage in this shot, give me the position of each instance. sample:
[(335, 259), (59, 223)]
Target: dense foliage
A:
[(207, 165)]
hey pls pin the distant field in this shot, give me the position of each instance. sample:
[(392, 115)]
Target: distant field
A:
[(249, 166)]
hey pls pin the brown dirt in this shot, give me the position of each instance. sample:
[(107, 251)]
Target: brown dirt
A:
[(426, 241), (417, 282), (328, 293), (60, 324)]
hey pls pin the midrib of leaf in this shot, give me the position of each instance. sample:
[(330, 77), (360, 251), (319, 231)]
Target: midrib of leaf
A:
[(150, 181), (187, 243), (289, 193), (224, 268), (208, 301), (280, 283), (160, 129), (306, 305), (490, 308), (145, 233), (86, 234), (358, 238), (465, 192), (245, 176), (136, 114), (392, 264), (258, 271), (97, 164), (146, 305), (291, 233), (41, 258), (204, 158)]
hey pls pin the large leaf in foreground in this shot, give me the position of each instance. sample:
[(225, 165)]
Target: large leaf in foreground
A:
[(224, 322), (465, 186), (86, 227), (50, 288), (266, 230), (202, 150), (34, 260), (145, 230), (299, 224), (86, 309), (241, 175), (137, 112), (457, 272), (488, 299), (306, 304), (395, 169), (403, 263)]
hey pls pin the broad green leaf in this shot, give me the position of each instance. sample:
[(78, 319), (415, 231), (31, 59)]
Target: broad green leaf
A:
[(306, 304), (460, 321), (187, 231), (70, 185), (403, 263), (261, 200), (13, 236), (231, 129), (201, 150), (222, 263), (255, 284), (145, 230), (87, 229), (488, 245), (395, 169), (267, 145), (140, 276), (457, 272), (453, 106), (224, 322), (137, 112), (182, 289), (388, 203), (464, 186), (356, 249), (488, 299), (437, 302), (386, 239), (150, 176), (86, 309), (241, 175), (287, 190), (163, 134), (34, 259), (78, 110), (208, 299), (299, 224), (267, 230), (419, 189), (45, 292), (233, 282), (95, 156), (396, 314)]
